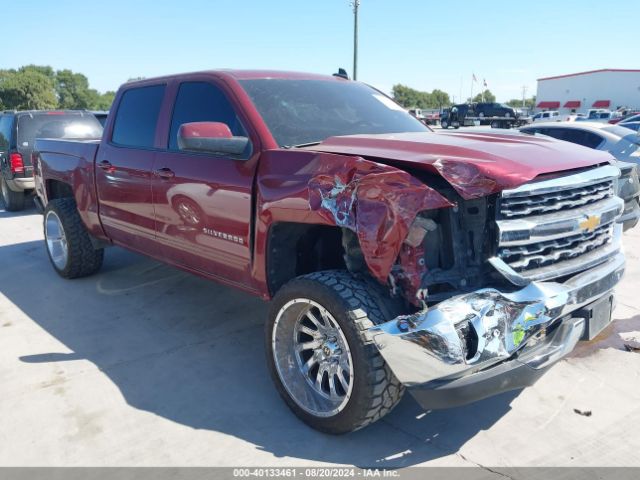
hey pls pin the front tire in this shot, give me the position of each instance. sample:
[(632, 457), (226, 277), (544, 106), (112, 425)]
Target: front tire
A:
[(67, 241), (13, 201), (320, 357)]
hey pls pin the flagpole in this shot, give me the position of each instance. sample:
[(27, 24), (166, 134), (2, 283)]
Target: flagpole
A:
[(471, 96)]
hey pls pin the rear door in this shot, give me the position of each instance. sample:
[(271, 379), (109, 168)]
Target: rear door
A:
[(123, 168), (202, 201)]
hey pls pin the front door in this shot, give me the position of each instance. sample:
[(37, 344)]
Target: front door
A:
[(202, 201)]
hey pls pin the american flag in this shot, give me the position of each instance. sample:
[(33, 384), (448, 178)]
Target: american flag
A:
[(484, 80)]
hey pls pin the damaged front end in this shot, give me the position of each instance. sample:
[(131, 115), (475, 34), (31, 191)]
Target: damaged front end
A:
[(556, 259), (479, 344)]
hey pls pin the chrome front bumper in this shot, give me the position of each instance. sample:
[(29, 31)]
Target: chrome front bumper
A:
[(481, 331)]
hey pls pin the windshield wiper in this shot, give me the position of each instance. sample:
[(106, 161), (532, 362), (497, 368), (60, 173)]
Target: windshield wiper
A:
[(301, 145)]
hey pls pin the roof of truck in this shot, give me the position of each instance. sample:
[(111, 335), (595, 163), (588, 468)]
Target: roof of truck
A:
[(244, 75)]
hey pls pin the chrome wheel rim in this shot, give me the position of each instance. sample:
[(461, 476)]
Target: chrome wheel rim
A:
[(56, 240), (312, 357)]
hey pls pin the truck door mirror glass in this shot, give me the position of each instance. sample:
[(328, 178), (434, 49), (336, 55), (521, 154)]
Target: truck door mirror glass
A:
[(210, 137)]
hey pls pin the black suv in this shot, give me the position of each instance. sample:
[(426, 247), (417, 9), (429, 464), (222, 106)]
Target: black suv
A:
[(18, 131)]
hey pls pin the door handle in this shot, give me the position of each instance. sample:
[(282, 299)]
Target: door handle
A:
[(106, 166), (165, 173)]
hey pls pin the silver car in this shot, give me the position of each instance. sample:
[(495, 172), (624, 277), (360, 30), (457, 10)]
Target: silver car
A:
[(621, 142)]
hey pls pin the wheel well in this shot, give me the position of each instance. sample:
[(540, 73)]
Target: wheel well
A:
[(295, 249), (58, 189)]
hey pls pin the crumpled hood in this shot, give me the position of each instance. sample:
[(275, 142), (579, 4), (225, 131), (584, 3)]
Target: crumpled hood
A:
[(475, 164)]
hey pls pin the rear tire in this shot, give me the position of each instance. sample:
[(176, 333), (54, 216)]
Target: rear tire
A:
[(67, 241), (13, 201), (315, 337)]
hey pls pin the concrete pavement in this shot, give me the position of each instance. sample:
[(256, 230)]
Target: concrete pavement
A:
[(143, 364)]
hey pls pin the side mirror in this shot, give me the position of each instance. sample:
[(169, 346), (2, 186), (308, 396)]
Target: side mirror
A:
[(210, 137)]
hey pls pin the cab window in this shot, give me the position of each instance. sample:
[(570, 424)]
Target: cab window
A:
[(202, 102)]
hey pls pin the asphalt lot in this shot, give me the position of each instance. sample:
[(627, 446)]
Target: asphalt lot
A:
[(145, 365)]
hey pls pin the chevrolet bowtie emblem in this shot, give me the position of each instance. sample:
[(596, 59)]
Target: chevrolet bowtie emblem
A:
[(590, 223)]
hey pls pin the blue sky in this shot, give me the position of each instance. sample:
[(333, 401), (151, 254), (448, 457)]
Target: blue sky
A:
[(425, 44)]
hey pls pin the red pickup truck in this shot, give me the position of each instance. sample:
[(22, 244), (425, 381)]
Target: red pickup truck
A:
[(456, 266)]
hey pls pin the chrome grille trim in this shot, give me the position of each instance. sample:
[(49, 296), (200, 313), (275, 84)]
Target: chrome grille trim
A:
[(575, 197), (554, 228), (538, 228), (554, 250)]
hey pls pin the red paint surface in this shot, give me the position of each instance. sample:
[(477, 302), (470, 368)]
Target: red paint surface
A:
[(475, 164), (376, 201), (601, 103), (572, 104), (239, 201), (204, 130)]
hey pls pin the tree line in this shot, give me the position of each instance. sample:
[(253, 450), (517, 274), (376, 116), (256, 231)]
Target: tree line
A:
[(411, 98), (37, 87)]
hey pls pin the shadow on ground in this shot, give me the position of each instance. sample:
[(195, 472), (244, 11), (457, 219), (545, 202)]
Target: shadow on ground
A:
[(192, 352)]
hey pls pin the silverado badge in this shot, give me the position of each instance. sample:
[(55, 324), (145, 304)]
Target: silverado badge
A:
[(590, 223)]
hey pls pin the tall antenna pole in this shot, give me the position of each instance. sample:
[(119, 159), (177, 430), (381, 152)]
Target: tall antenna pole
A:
[(355, 4), (524, 93)]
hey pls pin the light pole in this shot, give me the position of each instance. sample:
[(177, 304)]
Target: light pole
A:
[(355, 4)]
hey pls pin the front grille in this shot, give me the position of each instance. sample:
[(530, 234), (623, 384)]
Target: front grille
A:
[(555, 201), (541, 254), (557, 227)]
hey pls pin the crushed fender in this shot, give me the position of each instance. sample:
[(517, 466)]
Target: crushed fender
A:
[(466, 178), (379, 203)]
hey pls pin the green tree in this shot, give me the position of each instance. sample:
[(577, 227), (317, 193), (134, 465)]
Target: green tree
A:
[(485, 96), (439, 99), (26, 89), (104, 101), (73, 90), (517, 102), (411, 98), (45, 70)]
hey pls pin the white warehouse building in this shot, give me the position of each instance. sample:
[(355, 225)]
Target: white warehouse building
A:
[(607, 88)]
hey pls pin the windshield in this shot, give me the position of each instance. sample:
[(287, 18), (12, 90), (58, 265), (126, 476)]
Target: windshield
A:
[(56, 125), (298, 112)]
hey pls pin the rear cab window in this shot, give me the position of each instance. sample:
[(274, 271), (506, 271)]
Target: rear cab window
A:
[(56, 125), (137, 116), (6, 123)]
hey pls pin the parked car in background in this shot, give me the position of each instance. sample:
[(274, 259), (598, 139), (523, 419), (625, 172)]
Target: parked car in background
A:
[(599, 116), (428, 117), (622, 143), (629, 119), (548, 116), (18, 131), (624, 114), (101, 115), (395, 256), (635, 126), (494, 109)]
